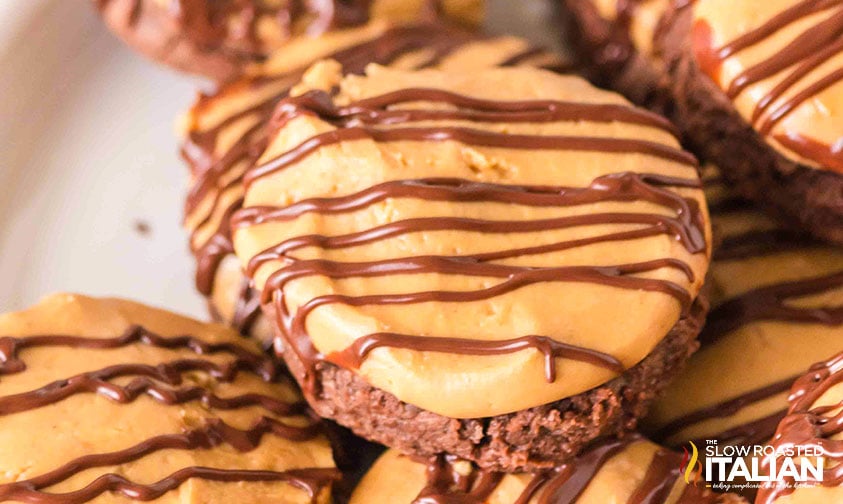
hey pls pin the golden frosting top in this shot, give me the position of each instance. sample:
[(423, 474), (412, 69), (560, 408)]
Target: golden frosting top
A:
[(474, 243), (777, 307), (107, 400), (812, 423), (226, 131), (781, 62), (633, 470)]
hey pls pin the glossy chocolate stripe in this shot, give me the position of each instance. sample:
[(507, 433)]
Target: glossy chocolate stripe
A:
[(625, 186), (798, 11), (147, 384), (293, 324), (803, 46), (659, 479), (828, 155), (446, 485), (469, 136), (376, 110), (785, 85), (654, 222), (801, 97), (311, 481), (570, 482), (214, 434), (725, 408), (809, 425), (11, 346), (353, 356), (769, 303)]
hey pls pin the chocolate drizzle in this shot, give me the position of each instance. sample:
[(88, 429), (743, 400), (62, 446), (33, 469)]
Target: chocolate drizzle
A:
[(353, 356), (365, 119), (156, 382), (447, 483), (808, 51), (217, 175), (772, 302), (810, 425)]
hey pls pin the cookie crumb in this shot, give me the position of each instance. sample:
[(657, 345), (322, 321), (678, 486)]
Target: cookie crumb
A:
[(142, 227)]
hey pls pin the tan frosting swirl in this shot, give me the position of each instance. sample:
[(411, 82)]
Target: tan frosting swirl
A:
[(620, 319), (777, 307), (96, 407)]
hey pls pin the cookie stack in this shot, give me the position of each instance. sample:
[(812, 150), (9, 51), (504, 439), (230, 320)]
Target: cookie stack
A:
[(449, 245)]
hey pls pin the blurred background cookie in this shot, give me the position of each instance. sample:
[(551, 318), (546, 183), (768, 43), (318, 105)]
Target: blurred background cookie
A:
[(221, 38), (777, 307), (754, 86)]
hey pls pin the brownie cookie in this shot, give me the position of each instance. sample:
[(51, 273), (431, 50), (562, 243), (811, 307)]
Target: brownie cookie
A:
[(105, 400), (220, 39), (225, 133), (631, 470), (755, 87), (812, 422), (777, 307), (503, 263)]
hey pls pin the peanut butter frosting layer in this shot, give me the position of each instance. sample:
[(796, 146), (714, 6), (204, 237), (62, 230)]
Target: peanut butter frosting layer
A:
[(249, 30), (227, 131), (105, 400), (813, 421), (781, 62), (632, 470), (474, 243), (777, 307)]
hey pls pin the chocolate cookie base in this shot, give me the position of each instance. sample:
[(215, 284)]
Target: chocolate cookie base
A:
[(532, 439), (673, 85), (150, 29)]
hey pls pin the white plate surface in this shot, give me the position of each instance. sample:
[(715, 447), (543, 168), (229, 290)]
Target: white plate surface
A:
[(88, 154)]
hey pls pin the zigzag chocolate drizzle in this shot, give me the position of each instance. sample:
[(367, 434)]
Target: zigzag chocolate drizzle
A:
[(809, 50), (364, 119), (809, 425), (155, 382), (767, 303), (564, 484), (218, 175)]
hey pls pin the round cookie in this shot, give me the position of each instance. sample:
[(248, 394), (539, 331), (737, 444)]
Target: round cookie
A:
[(227, 130), (221, 39), (106, 400), (755, 87), (632, 470), (777, 307), (501, 264), (812, 422)]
